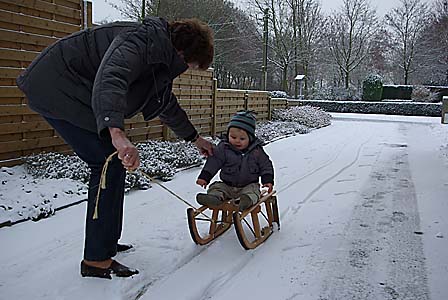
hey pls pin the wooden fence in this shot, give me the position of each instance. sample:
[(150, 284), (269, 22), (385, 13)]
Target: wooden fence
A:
[(28, 26)]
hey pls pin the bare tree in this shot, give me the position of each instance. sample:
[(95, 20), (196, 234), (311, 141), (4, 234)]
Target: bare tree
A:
[(237, 38), (433, 47), (407, 23), (281, 54), (308, 23), (349, 34), (379, 57), (132, 9), (440, 38), (238, 51)]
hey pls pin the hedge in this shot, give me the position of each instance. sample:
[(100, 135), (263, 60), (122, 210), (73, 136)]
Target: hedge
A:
[(387, 108)]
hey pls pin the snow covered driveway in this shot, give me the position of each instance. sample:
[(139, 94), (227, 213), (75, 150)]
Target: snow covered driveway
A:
[(363, 216)]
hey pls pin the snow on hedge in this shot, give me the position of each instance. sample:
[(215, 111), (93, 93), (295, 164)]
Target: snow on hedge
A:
[(309, 116), (158, 159), (278, 94), (48, 181), (404, 108), (56, 165), (272, 130)]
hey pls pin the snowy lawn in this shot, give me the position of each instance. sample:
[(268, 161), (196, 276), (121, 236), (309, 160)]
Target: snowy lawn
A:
[(363, 214)]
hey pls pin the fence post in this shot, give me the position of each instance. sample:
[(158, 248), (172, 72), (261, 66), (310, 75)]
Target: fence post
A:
[(246, 100), (269, 108), (214, 99), (166, 133), (445, 110), (86, 14)]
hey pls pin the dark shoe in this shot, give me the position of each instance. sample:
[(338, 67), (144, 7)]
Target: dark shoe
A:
[(90, 271), (124, 247), (121, 270), (208, 200), (245, 202)]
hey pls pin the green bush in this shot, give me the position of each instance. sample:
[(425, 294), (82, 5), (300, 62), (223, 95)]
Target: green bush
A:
[(372, 88), (402, 92)]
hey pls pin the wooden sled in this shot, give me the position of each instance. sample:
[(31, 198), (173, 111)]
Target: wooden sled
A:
[(251, 231)]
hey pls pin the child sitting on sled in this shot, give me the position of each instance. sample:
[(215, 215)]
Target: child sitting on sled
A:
[(242, 162)]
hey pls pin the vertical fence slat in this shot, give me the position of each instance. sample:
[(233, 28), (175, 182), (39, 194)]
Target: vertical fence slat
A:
[(214, 99)]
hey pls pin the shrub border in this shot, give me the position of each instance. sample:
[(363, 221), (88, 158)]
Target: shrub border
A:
[(370, 107)]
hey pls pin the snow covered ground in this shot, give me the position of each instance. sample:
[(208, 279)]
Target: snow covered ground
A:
[(363, 213)]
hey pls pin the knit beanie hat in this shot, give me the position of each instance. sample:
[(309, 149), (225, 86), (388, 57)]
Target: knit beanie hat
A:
[(244, 120)]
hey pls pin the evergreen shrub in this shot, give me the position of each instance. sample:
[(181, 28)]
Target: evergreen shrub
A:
[(372, 88), (402, 92)]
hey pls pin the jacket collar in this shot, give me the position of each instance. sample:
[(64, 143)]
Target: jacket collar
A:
[(161, 49), (178, 65)]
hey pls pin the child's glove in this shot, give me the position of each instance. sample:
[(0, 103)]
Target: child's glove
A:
[(269, 186), (202, 183)]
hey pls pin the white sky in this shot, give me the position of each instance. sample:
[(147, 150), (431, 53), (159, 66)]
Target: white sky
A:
[(382, 6), (102, 10)]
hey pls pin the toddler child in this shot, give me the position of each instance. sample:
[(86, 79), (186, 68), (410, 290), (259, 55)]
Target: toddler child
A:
[(242, 161)]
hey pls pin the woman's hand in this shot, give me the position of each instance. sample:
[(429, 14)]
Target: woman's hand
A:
[(202, 183), (204, 146), (127, 152)]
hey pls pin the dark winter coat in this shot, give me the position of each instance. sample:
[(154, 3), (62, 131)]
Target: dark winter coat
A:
[(100, 76), (239, 168)]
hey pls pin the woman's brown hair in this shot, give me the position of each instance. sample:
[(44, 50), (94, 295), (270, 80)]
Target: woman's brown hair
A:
[(194, 39)]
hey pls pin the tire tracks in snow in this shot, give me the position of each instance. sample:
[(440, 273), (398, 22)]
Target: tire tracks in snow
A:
[(185, 260), (297, 207), (214, 283), (380, 255), (219, 282)]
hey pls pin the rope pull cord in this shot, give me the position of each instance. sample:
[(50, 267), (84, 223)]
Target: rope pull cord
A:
[(102, 183), (102, 186)]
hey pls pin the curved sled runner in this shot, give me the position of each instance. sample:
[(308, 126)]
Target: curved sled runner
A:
[(253, 226)]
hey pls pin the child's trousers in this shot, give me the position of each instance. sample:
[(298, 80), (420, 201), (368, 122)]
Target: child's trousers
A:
[(225, 192)]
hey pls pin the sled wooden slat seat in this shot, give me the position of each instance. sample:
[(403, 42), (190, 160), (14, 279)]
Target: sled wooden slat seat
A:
[(251, 231)]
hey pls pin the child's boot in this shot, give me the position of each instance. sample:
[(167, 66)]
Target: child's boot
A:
[(208, 200), (245, 202)]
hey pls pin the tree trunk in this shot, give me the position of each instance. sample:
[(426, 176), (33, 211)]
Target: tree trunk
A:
[(305, 81), (296, 58), (347, 79), (285, 78)]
